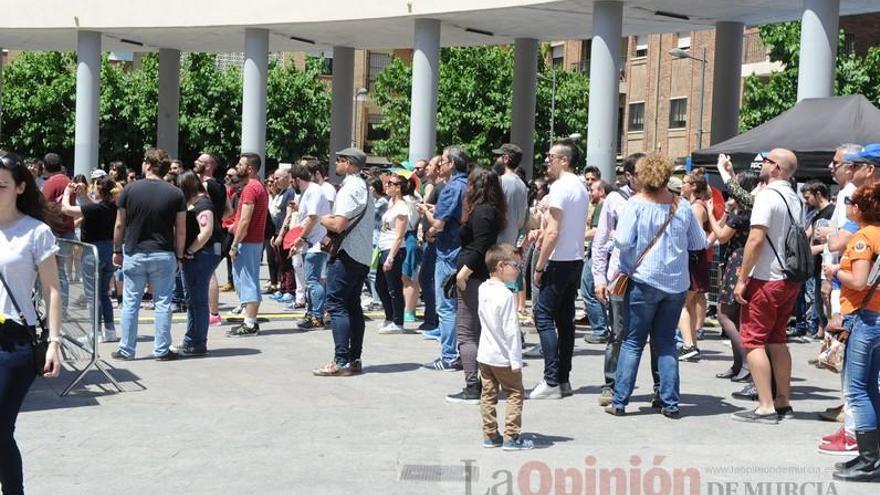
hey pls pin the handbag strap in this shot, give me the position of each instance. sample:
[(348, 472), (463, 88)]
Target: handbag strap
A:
[(12, 298), (672, 209)]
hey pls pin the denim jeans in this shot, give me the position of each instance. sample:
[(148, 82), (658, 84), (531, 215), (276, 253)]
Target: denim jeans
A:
[(612, 349), (596, 311), (105, 274), (805, 308), (179, 295), (554, 318), (16, 375), (313, 265), (426, 281), (345, 277), (389, 285), (651, 312), (862, 370), (446, 307), (158, 269), (197, 273)]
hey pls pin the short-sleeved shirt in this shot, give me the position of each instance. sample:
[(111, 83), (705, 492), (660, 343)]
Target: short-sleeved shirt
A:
[(313, 202), (151, 207), (23, 246), (99, 220), (53, 191), (388, 229), (772, 212), (864, 245), (449, 209), (516, 196), (329, 192), (353, 198), (192, 222), (569, 195), (255, 194)]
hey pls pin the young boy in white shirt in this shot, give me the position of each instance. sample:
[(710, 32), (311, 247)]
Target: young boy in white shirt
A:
[(499, 353)]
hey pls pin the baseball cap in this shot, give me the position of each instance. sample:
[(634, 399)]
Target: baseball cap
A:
[(355, 155), (674, 185), (98, 173), (869, 154), (509, 149)]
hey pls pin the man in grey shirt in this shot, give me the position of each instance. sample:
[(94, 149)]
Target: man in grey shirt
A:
[(516, 194)]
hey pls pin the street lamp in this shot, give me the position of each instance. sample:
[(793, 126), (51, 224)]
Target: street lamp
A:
[(679, 53), (552, 104), (359, 95)]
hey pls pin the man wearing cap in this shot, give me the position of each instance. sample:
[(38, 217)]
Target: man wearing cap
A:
[(515, 192), (352, 218)]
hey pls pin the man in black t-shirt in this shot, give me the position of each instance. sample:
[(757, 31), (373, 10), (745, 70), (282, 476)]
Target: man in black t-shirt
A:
[(154, 243), (816, 197), (206, 166)]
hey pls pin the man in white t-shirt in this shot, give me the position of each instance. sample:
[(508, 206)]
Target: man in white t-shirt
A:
[(558, 270), (766, 295), (319, 177), (312, 206)]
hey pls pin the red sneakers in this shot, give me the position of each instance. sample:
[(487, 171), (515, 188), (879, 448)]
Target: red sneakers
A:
[(834, 436), (842, 445)]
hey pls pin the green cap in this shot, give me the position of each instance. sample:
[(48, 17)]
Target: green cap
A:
[(357, 156)]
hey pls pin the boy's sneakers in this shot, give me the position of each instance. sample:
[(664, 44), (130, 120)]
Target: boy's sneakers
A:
[(468, 395), (243, 330), (518, 443), (441, 364), (544, 391), (493, 443)]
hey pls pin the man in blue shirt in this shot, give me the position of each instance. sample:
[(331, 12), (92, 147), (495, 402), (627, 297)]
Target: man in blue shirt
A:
[(444, 232)]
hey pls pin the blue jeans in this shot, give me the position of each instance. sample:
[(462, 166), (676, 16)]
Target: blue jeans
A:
[(389, 285), (197, 277), (596, 311), (862, 369), (426, 281), (345, 277), (137, 270), (446, 307), (554, 318), (179, 295), (655, 313), (16, 375), (804, 322), (313, 266), (105, 274)]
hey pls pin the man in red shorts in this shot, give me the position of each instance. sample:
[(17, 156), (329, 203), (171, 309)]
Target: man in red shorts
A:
[(767, 298)]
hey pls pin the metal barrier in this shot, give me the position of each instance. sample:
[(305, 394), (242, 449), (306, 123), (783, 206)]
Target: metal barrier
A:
[(79, 275)]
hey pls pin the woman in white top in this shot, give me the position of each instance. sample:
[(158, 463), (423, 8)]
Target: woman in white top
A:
[(392, 253), (413, 259), (27, 249)]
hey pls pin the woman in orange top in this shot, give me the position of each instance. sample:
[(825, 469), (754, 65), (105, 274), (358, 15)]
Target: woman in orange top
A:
[(862, 363)]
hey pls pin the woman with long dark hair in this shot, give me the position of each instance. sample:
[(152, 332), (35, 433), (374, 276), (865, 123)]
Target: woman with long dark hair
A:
[(695, 189), (201, 256), (27, 249), (484, 213), (392, 252)]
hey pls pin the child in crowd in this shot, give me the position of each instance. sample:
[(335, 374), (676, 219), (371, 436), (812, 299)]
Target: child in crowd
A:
[(500, 350)]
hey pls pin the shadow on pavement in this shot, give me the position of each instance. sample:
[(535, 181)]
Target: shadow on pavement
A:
[(545, 441), (44, 393), (392, 368)]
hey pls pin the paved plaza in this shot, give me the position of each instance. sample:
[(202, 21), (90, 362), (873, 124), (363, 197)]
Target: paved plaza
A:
[(252, 419)]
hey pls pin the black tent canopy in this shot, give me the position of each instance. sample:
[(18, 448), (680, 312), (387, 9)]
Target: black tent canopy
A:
[(813, 128)]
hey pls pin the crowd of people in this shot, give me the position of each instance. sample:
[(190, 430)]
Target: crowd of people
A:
[(473, 244)]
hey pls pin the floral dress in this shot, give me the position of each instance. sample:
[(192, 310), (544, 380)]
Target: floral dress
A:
[(735, 246)]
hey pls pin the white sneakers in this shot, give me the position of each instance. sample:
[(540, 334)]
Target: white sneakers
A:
[(544, 391), (109, 335), (391, 329)]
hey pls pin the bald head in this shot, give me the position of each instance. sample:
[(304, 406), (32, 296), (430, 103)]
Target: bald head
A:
[(786, 160)]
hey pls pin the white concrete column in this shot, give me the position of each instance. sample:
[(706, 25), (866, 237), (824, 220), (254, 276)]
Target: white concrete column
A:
[(604, 87), (253, 103), (522, 114), (726, 76), (88, 87), (425, 74), (341, 103), (169, 101), (818, 57)]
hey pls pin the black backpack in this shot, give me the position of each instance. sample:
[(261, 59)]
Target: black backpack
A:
[(798, 262)]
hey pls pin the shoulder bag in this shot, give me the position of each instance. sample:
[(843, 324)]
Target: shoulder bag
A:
[(333, 241), (620, 283), (39, 342)]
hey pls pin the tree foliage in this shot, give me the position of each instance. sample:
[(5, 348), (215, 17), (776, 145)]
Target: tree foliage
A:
[(475, 91), (766, 98), (39, 108)]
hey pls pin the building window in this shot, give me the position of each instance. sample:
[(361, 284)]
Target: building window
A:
[(678, 113), (636, 117), (684, 40), (378, 62), (374, 132), (641, 46), (849, 43), (557, 55)]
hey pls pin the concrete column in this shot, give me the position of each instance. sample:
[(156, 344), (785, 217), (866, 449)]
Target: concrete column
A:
[(726, 77), (522, 115), (169, 101), (341, 103), (604, 87), (88, 86), (253, 102), (425, 74), (818, 58)]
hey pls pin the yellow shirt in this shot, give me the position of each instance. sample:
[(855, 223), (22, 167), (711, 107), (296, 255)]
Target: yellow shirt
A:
[(864, 245)]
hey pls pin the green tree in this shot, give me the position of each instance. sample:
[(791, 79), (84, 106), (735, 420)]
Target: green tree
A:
[(474, 101), (766, 98)]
